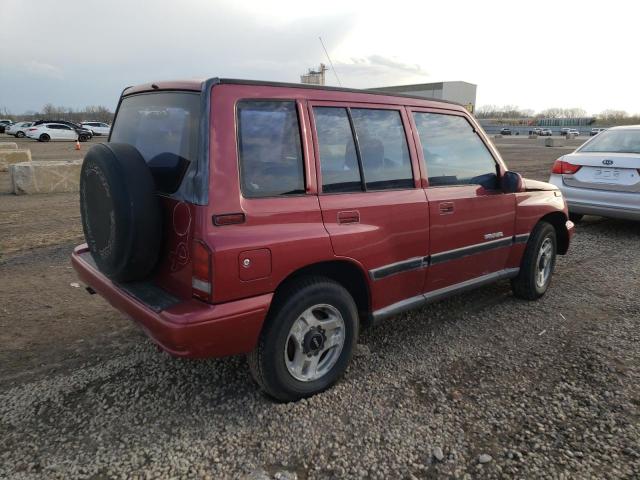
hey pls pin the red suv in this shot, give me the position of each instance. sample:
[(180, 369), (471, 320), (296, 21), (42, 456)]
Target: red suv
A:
[(276, 220)]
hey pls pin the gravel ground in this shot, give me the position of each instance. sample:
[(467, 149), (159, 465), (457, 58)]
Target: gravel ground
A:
[(479, 386)]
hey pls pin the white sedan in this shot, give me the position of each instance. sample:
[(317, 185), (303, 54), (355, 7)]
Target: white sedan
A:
[(18, 129), (98, 128), (52, 131), (602, 177)]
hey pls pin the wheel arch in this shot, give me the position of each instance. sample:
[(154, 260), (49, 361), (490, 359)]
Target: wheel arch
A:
[(559, 222), (346, 273)]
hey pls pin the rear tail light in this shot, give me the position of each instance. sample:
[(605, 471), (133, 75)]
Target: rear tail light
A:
[(565, 168), (202, 276), (32, 129)]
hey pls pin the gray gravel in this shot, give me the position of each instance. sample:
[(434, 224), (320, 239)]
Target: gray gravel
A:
[(479, 386)]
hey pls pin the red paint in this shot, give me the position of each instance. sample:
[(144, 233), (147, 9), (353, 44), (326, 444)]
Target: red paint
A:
[(279, 236)]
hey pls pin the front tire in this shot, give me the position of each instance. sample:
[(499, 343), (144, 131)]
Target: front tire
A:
[(20, 135), (538, 263), (307, 341)]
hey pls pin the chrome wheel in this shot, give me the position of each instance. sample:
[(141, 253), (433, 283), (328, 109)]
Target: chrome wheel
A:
[(544, 262), (314, 343)]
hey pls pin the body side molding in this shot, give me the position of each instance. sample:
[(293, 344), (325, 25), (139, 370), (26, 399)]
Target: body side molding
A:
[(420, 300)]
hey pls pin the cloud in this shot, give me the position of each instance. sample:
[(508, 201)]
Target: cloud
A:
[(377, 71), (42, 69)]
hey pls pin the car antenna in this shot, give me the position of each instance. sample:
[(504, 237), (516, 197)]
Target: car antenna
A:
[(330, 62)]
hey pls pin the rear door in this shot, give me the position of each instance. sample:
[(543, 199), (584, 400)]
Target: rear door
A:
[(472, 221), (371, 202)]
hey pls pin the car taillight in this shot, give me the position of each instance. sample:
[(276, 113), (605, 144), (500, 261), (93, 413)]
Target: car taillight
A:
[(565, 168), (32, 129), (202, 276)]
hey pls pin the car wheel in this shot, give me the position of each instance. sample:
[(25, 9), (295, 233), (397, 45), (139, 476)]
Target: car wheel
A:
[(44, 138), (83, 138), (20, 135), (575, 217), (307, 340), (537, 265)]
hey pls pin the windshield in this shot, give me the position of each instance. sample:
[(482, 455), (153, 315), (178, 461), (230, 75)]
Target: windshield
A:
[(163, 126), (615, 141)]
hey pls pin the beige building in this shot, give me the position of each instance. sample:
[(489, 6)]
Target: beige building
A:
[(459, 92)]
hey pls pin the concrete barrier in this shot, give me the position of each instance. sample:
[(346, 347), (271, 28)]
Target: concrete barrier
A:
[(497, 136), (8, 145), (9, 157), (45, 177), (554, 142), (533, 136)]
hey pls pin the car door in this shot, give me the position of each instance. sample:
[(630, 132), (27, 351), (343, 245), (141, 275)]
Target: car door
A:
[(472, 222), (372, 205), (54, 131), (67, 132)]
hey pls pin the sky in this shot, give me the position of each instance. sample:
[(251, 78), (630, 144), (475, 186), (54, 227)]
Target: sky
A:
[(534, 55)]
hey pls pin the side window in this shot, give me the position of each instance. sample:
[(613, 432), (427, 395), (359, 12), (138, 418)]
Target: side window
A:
[(383, 148), (453, 152), (269, 148), (338, 158)]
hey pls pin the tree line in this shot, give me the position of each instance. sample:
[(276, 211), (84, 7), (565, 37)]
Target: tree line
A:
[(49, 111), (618, 117)]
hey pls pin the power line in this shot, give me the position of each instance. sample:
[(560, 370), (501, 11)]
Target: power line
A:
[(330, 62)]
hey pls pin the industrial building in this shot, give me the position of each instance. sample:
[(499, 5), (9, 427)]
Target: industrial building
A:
[(460, 92)]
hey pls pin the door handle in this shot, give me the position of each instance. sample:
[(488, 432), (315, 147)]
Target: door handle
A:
[(350, 216), (446, 208)]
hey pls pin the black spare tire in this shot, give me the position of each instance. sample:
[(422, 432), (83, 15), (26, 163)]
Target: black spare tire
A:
[(121, 214)]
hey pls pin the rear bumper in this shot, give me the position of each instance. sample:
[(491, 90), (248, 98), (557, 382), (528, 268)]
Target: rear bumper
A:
[(607, 203), (189, 328)]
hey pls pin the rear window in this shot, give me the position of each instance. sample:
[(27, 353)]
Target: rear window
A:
[(614, 141), (163, 126)]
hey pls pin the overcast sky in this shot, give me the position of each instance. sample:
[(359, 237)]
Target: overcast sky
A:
[(531, 54)]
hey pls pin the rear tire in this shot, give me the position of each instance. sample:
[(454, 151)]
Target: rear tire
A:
[(575, 217), (44, 138), (20, 135), (538, 263), (292, 361)]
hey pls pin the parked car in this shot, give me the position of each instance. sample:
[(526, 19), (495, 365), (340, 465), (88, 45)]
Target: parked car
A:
[(602, 177), (18, 129), (45, 132), (546, 132), (505, 131), (97, 128), (537, 131), (316, 211), (574, 132), (4, 123), (595, 131), (84, 134)]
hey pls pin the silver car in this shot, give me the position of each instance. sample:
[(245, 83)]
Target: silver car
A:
[(602, 177)]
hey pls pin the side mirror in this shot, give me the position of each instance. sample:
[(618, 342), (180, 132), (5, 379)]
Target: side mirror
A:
[(511, 182)]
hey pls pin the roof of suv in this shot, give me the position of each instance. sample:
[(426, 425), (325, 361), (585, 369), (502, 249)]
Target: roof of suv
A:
[(197, 85)]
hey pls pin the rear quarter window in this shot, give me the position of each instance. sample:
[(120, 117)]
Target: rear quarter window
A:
[(163, 126), (269, 148)]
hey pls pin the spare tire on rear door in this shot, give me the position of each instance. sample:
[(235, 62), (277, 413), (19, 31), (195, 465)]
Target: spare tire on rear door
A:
[(121, 214)]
